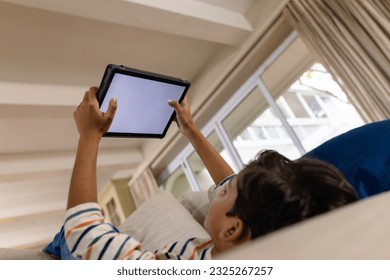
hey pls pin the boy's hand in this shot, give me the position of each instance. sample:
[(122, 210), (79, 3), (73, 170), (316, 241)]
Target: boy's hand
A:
[(90, 121), (183, 116)]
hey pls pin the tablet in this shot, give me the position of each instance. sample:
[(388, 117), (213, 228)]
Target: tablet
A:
[(143, 109)]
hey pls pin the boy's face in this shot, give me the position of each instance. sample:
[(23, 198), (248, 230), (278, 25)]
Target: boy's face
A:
[(222, 201)]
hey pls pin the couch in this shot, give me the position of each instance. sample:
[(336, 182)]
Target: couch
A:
[(356, 231)]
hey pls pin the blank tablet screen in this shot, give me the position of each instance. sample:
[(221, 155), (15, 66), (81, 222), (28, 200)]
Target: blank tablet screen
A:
[(143, 109)]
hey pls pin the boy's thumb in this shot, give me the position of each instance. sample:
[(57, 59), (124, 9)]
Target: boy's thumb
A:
[(111, 109), (174, 104)]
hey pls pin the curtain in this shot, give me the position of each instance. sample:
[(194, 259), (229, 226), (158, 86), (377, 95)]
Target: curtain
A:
[(351, 38), (143, 187)]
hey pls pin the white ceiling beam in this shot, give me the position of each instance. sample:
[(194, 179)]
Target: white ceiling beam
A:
[(15, 166), (39, 230), (40, 94), (43, 204), (198, 10), (32, 198), (188, 18)]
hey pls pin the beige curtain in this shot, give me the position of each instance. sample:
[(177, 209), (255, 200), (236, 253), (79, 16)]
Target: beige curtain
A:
[(143, 187), (352, 39)]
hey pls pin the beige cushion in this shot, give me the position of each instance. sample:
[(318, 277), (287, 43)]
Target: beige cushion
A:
[(161, 220)]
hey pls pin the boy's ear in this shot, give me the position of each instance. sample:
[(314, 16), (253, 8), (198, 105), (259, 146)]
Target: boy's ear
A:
[(233, 229)]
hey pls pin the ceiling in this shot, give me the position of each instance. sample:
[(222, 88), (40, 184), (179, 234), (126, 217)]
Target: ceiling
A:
[(51, 51)]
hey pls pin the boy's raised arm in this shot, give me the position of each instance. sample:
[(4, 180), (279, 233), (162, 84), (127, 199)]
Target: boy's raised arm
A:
[(91, 124), (215, 164)]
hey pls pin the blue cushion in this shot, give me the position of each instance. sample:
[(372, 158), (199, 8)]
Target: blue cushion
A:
[(58, 247), (363, 155)]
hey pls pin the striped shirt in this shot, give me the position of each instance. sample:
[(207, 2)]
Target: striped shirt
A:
[(88, 237)]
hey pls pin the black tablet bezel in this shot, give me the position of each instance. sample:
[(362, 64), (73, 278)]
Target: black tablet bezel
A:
[(113, 69)]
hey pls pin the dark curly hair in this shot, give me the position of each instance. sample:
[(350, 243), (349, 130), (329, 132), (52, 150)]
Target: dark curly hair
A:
[(274, 192)]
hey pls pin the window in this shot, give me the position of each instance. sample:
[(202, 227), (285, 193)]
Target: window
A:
[(203, 177), (253, 126), (176, 183), (290, 104)]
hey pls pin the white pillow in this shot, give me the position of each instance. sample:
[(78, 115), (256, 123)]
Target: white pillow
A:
[(161, 220), (197, 203)]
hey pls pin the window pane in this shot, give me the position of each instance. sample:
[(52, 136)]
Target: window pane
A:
[(201, 173), (317, 108), (253, 126), (296, 107), (176, 183), (217, 144)]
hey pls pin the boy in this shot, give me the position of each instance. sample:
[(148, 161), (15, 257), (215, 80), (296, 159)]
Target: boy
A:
[(269, 193)]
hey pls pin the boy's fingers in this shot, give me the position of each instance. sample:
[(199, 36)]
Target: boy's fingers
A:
[(85, 98), (109, 115), (93, 91), (184, 102), (176, 105)]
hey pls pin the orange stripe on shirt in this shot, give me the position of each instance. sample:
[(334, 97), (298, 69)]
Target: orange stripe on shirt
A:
[(199, 247), (82, 225), (89, 252)]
